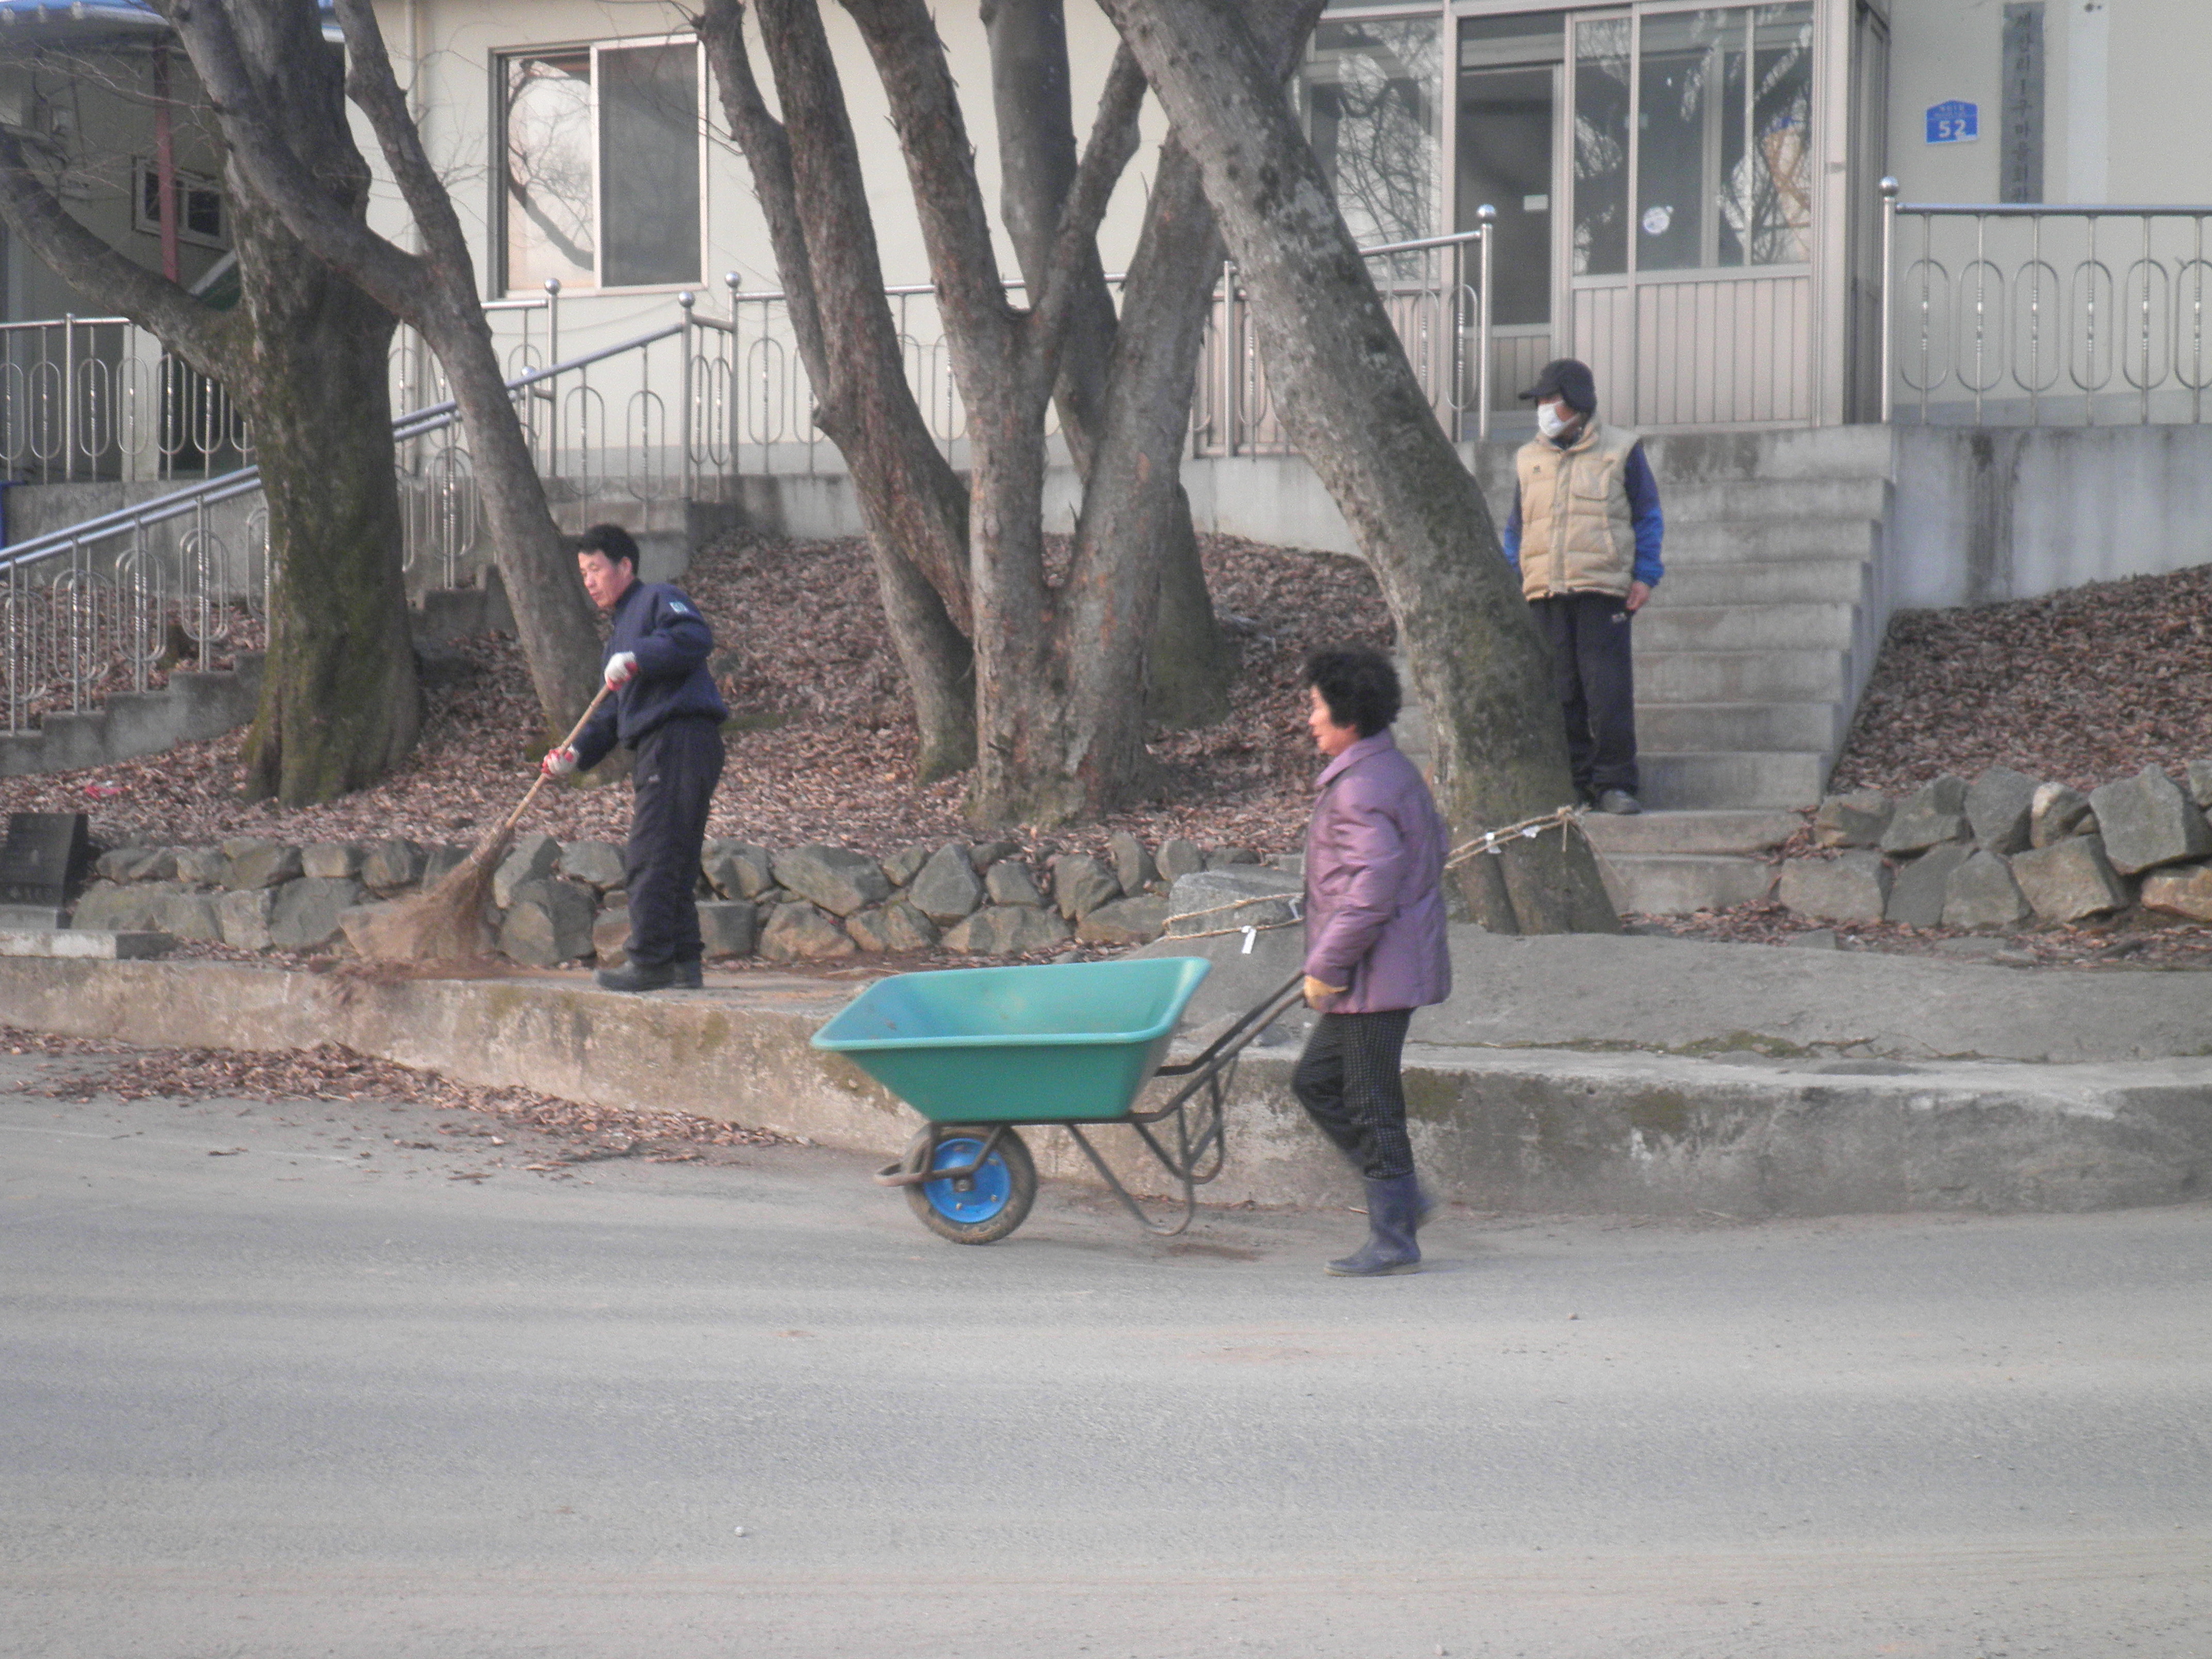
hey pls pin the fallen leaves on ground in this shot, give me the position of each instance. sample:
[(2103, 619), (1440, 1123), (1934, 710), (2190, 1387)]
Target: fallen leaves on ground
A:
[(330, 1072)]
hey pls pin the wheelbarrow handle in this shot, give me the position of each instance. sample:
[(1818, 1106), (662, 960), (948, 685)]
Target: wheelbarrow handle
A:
[(1254, 1020)]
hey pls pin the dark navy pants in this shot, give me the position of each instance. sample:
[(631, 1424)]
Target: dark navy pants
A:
[(1597, 685), (1348, 1081), (678, 764)]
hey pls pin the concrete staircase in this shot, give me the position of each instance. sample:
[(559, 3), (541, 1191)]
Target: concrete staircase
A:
[(1751, 656)]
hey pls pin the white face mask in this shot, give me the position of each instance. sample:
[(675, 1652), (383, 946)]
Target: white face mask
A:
[(1550, 422)]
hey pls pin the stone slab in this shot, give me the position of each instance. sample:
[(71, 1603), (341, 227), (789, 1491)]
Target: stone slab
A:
[(83, 944)]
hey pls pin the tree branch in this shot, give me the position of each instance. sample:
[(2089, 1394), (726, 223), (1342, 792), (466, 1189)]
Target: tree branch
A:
[(273, 169), (206, 339), (1114, 136)]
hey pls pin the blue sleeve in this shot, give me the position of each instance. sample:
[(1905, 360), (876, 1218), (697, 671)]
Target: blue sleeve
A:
[(597, 736), (675, 641), (1509, 537), (1643, 513)]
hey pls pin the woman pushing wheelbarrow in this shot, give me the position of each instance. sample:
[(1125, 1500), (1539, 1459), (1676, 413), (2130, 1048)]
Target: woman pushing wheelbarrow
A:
[(1375, 944)]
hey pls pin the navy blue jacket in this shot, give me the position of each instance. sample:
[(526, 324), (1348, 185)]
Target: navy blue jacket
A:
[(671, 641)]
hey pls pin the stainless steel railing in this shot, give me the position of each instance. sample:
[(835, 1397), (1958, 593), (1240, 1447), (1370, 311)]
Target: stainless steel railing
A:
[(2019, 314), (93, 399)]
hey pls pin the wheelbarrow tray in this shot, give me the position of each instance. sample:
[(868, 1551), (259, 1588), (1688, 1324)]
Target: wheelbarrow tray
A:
[(1073, 1042)]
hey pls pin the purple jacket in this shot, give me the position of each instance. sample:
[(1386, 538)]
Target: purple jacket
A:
[(1374, 858)]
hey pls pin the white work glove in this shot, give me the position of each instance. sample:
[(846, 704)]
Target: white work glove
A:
[(622, 669), (558, 762)]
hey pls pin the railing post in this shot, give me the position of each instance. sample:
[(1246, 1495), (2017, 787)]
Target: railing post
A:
[(735, 395), (1889, 188), (1486, 217), (686, 300), (552, 321), (69, 395), (1232, 379)]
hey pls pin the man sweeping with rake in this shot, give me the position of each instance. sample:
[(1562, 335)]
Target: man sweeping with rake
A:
[(664, 706)]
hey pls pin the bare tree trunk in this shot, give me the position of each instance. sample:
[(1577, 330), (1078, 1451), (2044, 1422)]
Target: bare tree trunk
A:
[(1352, 405), (435, 291), (305, 356), (913, 504), (1188, 660)]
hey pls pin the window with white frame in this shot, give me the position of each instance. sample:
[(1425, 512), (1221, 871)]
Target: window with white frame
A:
[(196, 206), (601, 180)]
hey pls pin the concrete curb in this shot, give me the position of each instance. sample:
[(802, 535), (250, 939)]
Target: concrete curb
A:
[(1507, 1129)]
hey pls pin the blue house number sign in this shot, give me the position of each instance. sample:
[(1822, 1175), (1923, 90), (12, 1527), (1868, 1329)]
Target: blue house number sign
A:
[(1953, 122)]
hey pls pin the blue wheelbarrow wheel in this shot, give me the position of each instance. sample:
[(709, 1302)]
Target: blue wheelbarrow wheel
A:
[(981, 1208)]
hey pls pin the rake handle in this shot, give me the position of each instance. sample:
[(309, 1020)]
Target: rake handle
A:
[(574, 731)]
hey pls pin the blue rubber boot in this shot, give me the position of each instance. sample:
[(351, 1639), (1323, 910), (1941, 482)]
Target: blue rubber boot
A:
[(1393, 1207)]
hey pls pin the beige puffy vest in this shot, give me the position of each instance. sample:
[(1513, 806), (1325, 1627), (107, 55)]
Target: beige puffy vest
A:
[(1575, 533)]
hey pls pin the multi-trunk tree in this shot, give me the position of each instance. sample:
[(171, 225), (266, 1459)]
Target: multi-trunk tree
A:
[(1042, 682), (304, 353)]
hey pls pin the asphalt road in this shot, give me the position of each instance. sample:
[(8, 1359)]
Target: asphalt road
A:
[(292, 1400)]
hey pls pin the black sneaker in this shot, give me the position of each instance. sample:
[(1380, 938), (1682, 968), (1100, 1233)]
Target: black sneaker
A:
[(687, 976), (636, 976), (1619, 802)]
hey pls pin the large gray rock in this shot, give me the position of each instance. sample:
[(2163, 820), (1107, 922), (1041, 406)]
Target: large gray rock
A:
[(596, 864), (2180, 889), (1917, 890), (1132, 865), (903, 865), (532, 858), (1248, 896), (727, 927), (548, 923), (257, 863), (837, 878), (1851, 887), (1982, 896), (1179, 858), (2146, 821), (1227, 858), (1854, 820), (738, 869), (1136, 920), (117, 862), (611, 936), (438, 862), (2200, 783), (391, 865), (123, 907), (800, 932), (1998, 808), (160, 864), (896, 926), (947, 889), (333, 861), (1009, 882), (1080, 885), (984, 854), (203, 866), (1927, 817), (191, 916), (2059, 811), (305, 914), (1007, 930), (245, 914), (2070, 879)]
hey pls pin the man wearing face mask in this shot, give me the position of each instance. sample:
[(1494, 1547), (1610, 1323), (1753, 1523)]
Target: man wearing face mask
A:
[(1584, 533)]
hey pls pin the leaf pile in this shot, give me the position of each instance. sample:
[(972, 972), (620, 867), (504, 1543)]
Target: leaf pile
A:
[(822, 745), (330, 1072), (2080, 687)]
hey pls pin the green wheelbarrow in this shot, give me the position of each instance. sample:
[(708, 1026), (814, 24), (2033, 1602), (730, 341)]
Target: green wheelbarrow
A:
[(978, 1051)]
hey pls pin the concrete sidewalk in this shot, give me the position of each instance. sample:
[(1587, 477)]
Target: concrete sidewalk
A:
[(1638, 1076)]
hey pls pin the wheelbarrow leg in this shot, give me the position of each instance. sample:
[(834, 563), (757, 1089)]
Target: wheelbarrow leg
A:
[(1128, 1203)]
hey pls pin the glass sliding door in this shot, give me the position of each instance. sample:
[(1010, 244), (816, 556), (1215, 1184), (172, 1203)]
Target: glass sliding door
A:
[(1506, 140), (1692, 220)]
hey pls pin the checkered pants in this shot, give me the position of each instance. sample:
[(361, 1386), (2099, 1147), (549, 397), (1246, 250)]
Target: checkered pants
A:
[(1347, 1080)]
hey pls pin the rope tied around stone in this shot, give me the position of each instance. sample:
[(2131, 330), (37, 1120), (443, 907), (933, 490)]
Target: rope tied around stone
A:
[(1492, 841)]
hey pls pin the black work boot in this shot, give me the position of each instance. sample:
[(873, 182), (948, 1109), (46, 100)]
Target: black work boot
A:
[(687, 976), (636, 976), (1392, 1208)]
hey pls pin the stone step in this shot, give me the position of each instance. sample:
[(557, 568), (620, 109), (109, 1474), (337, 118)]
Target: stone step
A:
[(1748, 628), (1762, 500), (1752, 726), (1674, 884), (1785, 581), (1664, 676), (1683, 832), (1735, 542), (1711, 779)]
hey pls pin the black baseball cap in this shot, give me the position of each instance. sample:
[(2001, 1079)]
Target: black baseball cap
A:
[(1565, 377)]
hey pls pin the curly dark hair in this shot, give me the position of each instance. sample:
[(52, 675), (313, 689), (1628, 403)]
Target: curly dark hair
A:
[(611, 542), (1358, 684)]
